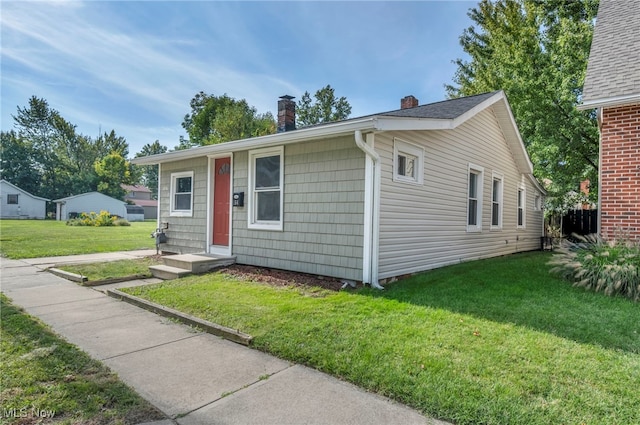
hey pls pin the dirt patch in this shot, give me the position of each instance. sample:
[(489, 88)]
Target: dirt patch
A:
[(276, 277)]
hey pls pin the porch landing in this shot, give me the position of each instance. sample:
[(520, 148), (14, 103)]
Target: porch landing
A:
[(176, 266)]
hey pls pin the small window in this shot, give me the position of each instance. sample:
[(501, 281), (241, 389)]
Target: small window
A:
[(537, 203), (522, 198), (408, 162), (12, 199), (266, 179), (474, 197), (182, 194), (496, 201)]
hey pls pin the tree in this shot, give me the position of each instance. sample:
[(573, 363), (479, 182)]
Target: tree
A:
[(113, 170), (16, 162), (537, 53), (150, 172), (216, 119), (38, 126), (325, 108)]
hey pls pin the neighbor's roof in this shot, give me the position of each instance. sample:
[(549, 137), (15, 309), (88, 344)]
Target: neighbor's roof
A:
[(613, 73), (82, 195), (135, 188), (145, 202)]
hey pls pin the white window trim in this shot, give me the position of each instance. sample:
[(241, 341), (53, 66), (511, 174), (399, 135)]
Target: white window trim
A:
[(524, 207), (497, 176), (180, 213), (252, 223), (402, 147), (480, 181)]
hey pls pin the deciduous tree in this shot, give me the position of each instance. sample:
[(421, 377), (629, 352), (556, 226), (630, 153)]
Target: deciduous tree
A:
[(537, 53), (325, 108), (150, 172), (216, 119)]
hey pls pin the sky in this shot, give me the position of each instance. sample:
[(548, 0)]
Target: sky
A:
[(134, 66)]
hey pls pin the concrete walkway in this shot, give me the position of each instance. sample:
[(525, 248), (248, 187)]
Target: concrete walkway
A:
[(191, 376)]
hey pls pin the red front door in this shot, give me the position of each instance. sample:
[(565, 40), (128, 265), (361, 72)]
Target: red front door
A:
[(221, 196)]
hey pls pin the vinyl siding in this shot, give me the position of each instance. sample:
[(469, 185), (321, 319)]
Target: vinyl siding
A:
[(323, 212), (185, 234), (424, 226)]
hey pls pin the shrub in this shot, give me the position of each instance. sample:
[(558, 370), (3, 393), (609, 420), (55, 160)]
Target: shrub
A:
[(121, 222), (93, 219), (595, 264)]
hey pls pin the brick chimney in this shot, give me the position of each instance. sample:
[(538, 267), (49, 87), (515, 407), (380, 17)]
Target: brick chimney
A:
[(286, 114), (408, 102)]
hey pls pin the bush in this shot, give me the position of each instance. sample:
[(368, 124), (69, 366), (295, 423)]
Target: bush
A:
[(595, 264), (93, 219), (121, 222)]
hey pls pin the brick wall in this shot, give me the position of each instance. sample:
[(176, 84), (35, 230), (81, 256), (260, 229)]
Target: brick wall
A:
[(620, 171)]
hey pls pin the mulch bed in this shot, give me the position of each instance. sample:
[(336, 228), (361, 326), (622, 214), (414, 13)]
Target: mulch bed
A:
[(276, 277)]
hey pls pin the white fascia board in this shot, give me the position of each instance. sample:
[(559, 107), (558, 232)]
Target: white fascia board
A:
[(610, 102), (288, 137)]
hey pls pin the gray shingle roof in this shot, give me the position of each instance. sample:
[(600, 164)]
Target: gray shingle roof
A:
[(446, 109), (614, 62)]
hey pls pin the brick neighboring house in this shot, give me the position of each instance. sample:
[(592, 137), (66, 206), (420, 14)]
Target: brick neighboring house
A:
[(141, 196), (612, 85)]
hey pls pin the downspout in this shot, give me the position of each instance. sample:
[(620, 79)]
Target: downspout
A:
[(369, 209)]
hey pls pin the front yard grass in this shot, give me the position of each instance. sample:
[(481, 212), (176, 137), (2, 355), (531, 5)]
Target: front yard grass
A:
[(112, 269), (488, 342), (47, 238), (47, 380)]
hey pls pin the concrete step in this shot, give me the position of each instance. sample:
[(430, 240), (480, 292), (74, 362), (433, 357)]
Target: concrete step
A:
[(165, 272), (197, 263)]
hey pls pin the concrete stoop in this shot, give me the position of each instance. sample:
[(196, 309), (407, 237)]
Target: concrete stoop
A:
[(176, 266)]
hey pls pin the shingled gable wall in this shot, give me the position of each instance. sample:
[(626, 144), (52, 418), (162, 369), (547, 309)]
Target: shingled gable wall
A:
[(620, 171)]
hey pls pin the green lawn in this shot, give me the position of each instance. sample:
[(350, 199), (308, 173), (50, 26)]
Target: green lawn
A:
[(488, 342), (46, 238), (112, 269), (42, 374)]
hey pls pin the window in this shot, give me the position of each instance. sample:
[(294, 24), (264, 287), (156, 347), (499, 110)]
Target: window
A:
[(266, 178), (408, 162), (182, 194), (537, 203), (496, 201), (474, 196), (12, 199), (522, 199)]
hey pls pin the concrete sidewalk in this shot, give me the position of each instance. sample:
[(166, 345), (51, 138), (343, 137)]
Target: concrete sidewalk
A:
[(191, 376)]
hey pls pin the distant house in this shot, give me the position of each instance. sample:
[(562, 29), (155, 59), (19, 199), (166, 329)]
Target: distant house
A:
[(364, 199), (18, 203), (141, 196), (612, 85), (72, 206)]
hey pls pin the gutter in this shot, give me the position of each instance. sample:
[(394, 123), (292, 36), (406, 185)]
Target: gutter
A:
[(372, 186)]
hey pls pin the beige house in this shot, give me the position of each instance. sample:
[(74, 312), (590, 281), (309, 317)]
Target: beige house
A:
[(364, 199)]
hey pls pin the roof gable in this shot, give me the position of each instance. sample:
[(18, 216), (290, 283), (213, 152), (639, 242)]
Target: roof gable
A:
[(24, 192), (613, 72), (87, 194)]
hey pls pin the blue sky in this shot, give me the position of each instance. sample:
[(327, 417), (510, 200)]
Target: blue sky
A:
[(134, 66)]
